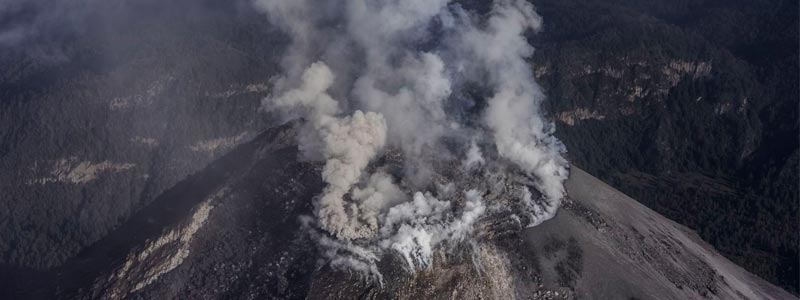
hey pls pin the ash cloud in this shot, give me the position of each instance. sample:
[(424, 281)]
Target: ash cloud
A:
[(377, 76), (346, 143)]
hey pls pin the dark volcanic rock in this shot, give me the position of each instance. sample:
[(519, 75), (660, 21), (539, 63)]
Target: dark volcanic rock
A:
[(142, 96), (670, 102), (236, 231)]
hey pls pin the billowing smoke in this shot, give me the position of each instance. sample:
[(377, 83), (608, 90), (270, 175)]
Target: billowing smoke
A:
[(474, 157), (347, 144), (370, 77), (520, 132)]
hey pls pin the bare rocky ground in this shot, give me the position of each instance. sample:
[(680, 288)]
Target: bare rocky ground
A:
[(631, 252), (233, 231), (97, 150)]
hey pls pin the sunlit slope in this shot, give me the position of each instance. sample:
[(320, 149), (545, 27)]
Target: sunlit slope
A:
[(605, 245)]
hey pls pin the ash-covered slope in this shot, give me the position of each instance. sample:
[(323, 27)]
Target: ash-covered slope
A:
[(631, 252), (234, 231)]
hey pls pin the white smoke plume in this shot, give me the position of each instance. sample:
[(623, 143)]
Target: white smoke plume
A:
[(474, 157), (372, 75), (520, 132)]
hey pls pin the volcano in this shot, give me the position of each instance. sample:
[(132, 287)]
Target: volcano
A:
[(398, 149), (236, 230)]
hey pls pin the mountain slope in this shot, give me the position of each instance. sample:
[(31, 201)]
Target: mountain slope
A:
[(234, 231), (146, 93), (690, 107), (630, 251)]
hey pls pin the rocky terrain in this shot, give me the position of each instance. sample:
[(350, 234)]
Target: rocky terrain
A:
[(135, 164), (630, 251), (235, 230), (135, 106)]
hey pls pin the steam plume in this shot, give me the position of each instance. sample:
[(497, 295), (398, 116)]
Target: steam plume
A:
[(370, 76)]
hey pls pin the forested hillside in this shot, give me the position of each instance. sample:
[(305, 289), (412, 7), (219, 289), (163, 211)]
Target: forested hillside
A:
[(690, 107)]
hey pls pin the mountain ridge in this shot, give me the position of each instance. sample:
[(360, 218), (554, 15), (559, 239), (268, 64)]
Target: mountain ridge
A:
[(232, 231)]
